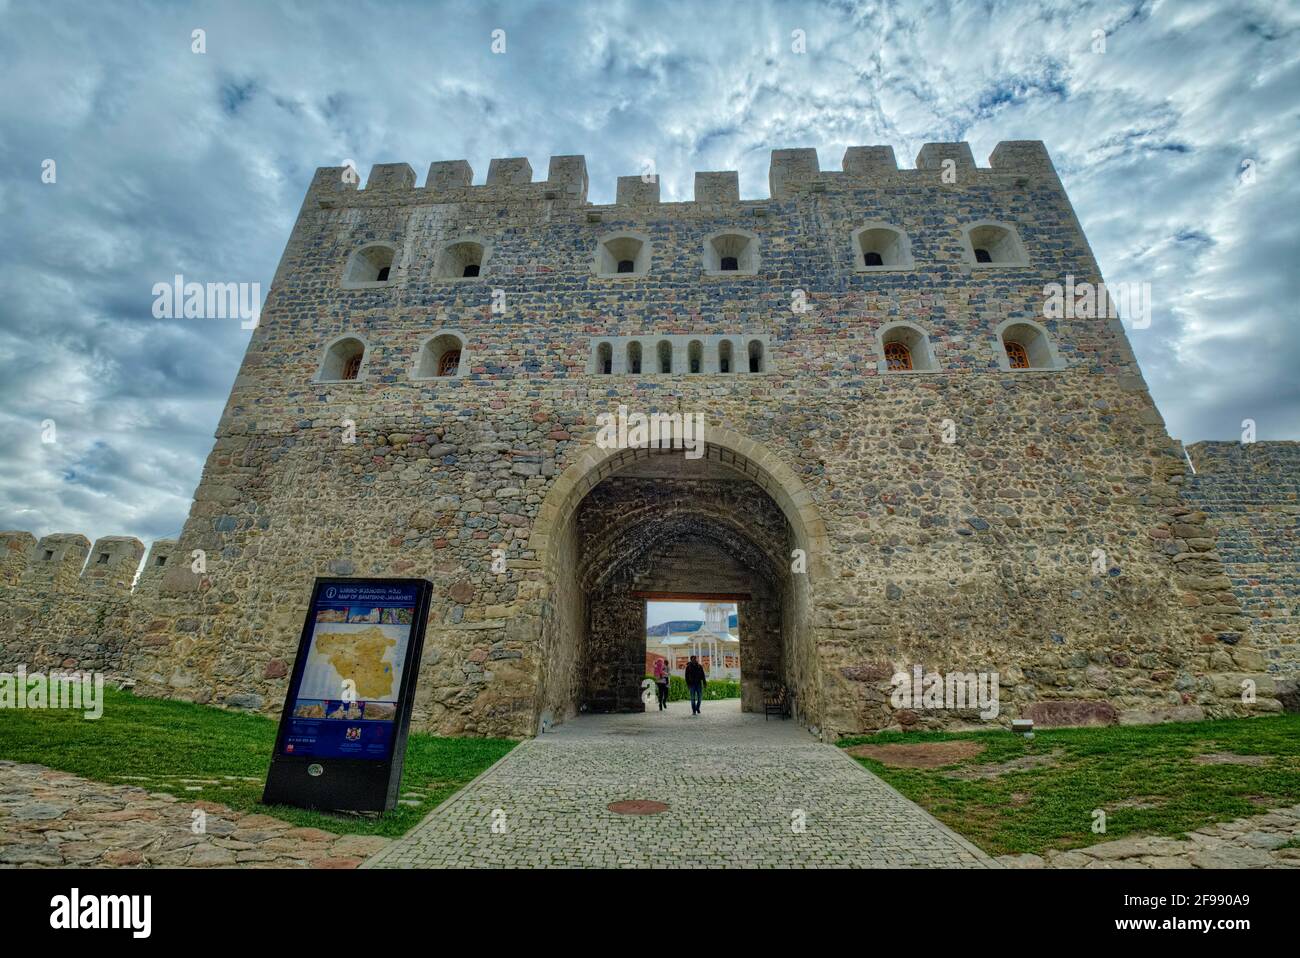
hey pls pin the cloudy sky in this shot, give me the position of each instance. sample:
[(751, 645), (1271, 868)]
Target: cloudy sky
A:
[(169, 161)]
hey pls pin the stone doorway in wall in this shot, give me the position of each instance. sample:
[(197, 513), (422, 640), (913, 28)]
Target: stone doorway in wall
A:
[(703, 624), (650, 524)]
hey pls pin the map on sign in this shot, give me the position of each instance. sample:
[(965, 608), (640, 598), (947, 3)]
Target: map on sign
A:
[(343, 701), (359, 661), (347, 708)]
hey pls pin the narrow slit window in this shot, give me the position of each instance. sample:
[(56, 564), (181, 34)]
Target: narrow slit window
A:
[(724, 357), (982, 255), (665, 357), (755, 356), (872, 258), (382, 275)]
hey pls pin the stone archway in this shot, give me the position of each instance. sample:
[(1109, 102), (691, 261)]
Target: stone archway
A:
[(619, 518)]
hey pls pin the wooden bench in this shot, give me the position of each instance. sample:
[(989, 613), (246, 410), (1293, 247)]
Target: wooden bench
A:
[(777, 700)]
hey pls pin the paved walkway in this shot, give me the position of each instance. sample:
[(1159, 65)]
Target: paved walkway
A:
[(53, 819), (741, 791)]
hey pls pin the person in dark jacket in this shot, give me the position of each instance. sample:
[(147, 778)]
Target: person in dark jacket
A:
[(695, 682)]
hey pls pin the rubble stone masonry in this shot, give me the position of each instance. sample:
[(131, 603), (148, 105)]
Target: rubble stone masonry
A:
[(962, 515)]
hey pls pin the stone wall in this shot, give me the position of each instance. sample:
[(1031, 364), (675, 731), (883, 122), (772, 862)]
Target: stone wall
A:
[(1251, 492), (67, 605), (975, 554)]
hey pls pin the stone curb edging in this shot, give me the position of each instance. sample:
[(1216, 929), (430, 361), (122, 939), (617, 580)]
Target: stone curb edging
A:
[(450, 800), (966, 843)]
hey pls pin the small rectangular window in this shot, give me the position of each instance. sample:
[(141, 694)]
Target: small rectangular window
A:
[(49, 555), (103, 558), (162, 560)]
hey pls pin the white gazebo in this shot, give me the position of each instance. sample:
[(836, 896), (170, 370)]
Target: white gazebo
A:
[(717, 648)]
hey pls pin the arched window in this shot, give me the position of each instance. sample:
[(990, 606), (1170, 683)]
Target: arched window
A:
[(665, 356), (343, 360), (604, 359), (993, 244), (441, 356), (695, 357), (462, 260), (898, 356), (623, 254), (1025, 345), (371, 265), (755, 356), (634, 357), (880, 246), (905, 348), (724, 356), (733, 251)]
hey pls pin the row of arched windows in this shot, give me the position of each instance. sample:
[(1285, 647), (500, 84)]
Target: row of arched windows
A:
[(875, 247), (904, 346), (1022, 344), (439, 356), (723, 356)]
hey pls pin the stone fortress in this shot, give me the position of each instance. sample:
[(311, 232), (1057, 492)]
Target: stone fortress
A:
[(906, 463)]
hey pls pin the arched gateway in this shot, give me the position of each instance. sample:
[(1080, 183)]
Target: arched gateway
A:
[(1019, 517), (623, 525)]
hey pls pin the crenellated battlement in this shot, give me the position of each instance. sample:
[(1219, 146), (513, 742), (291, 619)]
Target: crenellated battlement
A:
[(156, 564), (69, 562), (792, 172)]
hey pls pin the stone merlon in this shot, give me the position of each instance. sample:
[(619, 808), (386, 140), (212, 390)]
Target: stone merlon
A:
[(792, 172)]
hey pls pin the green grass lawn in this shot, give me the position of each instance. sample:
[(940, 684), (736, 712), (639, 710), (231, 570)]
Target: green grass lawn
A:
[(1145, 778), (198, 752)]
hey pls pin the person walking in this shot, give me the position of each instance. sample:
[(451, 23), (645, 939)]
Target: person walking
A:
[(661, 682), (695, 681)]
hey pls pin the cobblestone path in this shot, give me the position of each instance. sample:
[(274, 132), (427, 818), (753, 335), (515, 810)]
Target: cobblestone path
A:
[(741, 792)]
